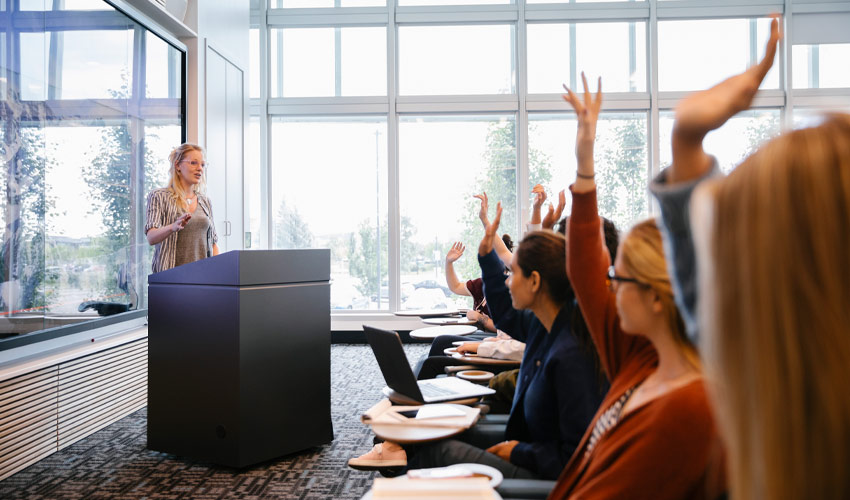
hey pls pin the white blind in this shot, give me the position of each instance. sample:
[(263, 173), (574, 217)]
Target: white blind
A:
[(821, 27)]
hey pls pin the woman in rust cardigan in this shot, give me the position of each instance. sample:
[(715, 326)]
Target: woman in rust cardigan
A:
[(654, 436)]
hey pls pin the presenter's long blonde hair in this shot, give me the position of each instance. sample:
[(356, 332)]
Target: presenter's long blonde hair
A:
[(174, 158), (775, 310)]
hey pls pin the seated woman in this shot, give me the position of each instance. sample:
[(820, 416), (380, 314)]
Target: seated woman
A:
[(559, 385), (774, 289), (505, 347), (654, 436)]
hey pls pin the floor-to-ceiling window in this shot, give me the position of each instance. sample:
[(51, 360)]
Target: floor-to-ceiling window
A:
[(92, 104), (377, 121)]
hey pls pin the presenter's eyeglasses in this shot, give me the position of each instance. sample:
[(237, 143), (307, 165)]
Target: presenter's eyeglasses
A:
[(195, 163)]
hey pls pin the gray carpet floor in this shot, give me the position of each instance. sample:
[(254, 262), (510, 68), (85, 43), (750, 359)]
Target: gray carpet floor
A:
[(114, 463)]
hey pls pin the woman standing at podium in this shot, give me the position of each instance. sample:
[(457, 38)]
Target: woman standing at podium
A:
[(179, 216)]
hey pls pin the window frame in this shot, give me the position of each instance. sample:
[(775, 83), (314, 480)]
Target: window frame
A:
[(652, 101)]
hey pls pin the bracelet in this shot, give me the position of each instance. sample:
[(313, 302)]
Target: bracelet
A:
[(584, 176)]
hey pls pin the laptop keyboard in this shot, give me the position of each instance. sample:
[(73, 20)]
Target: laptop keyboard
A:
[(434, 391)]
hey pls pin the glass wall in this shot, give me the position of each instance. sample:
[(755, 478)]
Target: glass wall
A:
[(85, 136), (453, 98)]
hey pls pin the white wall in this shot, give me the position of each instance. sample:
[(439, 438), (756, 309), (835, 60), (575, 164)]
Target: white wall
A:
[(223, 25)]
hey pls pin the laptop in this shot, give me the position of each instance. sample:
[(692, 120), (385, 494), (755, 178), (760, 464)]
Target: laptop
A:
[(400, 378)]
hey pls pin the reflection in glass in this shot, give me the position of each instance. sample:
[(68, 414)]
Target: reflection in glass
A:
[(621, 156), (696, 54), (162, 68), (615, 51), (309, 63), (84, 139), (443, 162), (254, 63), (330, 191), (444, 60), (735, 140)]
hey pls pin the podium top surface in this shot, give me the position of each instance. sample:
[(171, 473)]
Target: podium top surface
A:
[(251, 267)]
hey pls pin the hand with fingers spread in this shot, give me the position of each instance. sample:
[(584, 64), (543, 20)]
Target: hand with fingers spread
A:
[(455, 252), (490, 231), (587, 114), (455, 284), (554, 214), (707, 110), (485, 207)]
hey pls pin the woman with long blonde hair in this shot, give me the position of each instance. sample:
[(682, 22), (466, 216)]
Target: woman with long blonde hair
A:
[(180, 231), (773, 298), (653, 437)]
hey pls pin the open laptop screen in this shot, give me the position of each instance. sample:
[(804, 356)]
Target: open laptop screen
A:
[(394, 365)]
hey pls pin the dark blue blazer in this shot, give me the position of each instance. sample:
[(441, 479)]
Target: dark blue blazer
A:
[(559, 387)]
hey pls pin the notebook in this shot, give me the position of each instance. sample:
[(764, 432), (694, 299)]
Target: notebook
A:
[(399, 377)]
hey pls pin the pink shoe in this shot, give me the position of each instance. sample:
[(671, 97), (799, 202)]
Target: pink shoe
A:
[(378, 458)]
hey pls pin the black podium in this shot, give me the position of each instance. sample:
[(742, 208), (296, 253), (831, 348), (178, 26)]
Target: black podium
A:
[(239, 356)]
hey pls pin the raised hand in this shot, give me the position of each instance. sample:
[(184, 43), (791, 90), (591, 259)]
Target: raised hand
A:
[(707, 110), (490, 230), (554, 214), (485, 207), (539, 194), (587, 114), (455, 252)]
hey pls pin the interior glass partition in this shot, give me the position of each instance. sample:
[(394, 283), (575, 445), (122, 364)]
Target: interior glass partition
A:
[(84, 136)]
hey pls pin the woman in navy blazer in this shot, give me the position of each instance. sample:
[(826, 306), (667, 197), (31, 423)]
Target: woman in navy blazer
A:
[(559, 387)]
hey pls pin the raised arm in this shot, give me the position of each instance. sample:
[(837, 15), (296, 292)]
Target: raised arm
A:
[(505, 317), (554, 214), (455, 285), (702, 112), (587, 257), (538, 192), (697, 115), (502, 251)]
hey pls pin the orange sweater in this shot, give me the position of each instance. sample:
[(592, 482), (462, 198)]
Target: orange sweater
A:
[(665, 449)]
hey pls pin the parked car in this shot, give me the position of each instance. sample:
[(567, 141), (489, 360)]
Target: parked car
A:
[(432, 284), (346, 296), (427, 298)]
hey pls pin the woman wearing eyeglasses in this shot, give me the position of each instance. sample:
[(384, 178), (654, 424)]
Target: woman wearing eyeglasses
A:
[(179, 217), (653, 436)]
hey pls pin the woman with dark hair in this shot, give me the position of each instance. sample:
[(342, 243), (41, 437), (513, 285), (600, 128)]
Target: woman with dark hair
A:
[(558, 388)]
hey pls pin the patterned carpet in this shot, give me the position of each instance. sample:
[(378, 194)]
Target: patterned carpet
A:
[(114, 463)]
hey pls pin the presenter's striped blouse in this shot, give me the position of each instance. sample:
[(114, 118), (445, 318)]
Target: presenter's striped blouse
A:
[(163, 210)]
